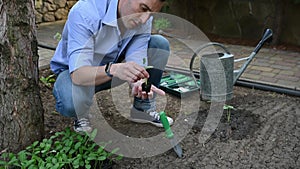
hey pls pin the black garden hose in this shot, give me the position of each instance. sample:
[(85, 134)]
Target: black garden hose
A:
[(46, 46), (261, 86)]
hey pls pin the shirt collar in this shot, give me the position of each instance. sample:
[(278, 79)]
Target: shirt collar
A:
[(110, 17)]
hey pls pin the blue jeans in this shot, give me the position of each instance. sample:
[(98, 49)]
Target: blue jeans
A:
[(74, 100)]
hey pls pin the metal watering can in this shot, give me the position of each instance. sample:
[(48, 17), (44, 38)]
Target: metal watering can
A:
[(217, 74)]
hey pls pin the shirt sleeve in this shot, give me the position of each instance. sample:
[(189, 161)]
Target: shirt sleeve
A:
[(80, 40), (138, 46)]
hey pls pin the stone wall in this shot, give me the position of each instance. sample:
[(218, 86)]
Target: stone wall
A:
[(52, 10), (245, 19)]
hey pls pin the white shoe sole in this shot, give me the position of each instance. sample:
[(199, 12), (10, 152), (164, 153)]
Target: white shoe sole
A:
[(146, 121)]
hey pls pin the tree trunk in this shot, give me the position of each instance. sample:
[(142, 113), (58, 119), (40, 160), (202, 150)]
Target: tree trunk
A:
[(21, 111)]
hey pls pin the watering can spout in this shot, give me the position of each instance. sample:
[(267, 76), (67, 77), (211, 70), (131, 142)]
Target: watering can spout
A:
[(266, 37)]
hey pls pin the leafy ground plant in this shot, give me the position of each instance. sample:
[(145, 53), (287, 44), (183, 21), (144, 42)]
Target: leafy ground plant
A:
[(65, 149), (48, 81), (57, 36), (161, 24)]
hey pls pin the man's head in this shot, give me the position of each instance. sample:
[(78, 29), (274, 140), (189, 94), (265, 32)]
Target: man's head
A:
[(137, 12)]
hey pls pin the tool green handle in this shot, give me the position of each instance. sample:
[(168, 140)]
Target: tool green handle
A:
[(165, 122)]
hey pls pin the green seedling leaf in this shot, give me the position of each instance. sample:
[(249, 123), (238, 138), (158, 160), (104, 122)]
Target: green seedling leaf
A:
[(3, 163), (77, 145), (101, 158), (115, 150), (227, 107), (42, 145), (22, 156), (34, 144), (4, 155), (161, 23), (29, 163), (54, 160), (88, 166), (48, 81), (32, 166), (120, 157), (148, 67), (57, 36), (66, 149), (14, 161), (56, 166), (49, 165), (93, 134)]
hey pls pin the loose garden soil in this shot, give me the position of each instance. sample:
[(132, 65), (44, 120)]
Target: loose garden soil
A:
[(263, 131)]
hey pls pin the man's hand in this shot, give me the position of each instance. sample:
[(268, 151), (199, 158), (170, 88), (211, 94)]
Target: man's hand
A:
[(137, 91), (129, 71)]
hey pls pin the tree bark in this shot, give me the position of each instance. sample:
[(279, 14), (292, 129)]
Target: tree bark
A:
[(21, 111)]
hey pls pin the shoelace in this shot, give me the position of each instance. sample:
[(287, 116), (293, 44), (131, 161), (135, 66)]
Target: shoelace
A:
[(155, 115), (82, 122)]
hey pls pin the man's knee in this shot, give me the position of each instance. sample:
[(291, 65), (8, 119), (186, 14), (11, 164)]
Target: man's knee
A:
[(159, 42)]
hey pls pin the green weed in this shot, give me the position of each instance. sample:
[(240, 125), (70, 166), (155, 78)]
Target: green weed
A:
[(48, 81), (161, 24), (65, 149)]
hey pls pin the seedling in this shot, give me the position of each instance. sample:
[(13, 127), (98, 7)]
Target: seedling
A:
[(146, 86), (228, 108), (48, 81)]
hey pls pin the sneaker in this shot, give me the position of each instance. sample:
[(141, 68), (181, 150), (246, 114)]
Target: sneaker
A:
[(82, 125), (151, 117)]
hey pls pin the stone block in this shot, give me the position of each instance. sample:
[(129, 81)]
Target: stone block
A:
[(251, 76), (49, 17), (61, 13), (268, 74), (287, 72), (60, 3), (50, 7), (264, 69), (268, 79), (70, 4), (287, 78)]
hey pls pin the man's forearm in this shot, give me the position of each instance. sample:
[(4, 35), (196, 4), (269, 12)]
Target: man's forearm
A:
[(90, 76)]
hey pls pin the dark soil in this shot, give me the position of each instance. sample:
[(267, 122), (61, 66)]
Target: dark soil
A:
[(263, 131)]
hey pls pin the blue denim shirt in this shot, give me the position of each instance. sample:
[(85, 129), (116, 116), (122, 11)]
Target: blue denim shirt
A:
[(91, 37)]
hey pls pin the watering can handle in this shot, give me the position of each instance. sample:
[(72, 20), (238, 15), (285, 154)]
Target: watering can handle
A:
[(237, 73), (198, 51)]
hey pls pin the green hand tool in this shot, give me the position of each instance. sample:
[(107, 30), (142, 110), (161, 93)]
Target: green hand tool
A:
[(170, 134)]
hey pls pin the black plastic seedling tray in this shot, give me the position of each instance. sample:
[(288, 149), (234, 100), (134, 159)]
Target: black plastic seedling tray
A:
[(178, 84)]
